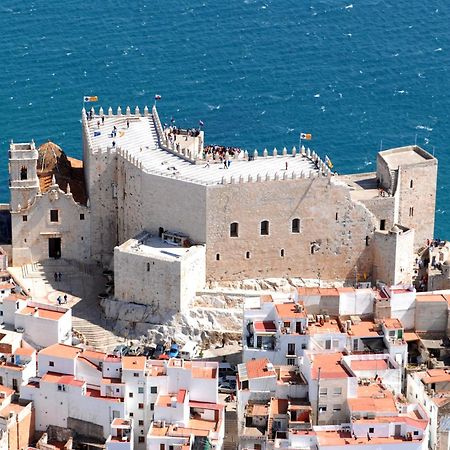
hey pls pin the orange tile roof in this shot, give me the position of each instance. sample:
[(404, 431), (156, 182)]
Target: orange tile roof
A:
[(411, 420), (369, 364), (41, 312), (6, 390), (60, 378), (133, 362), (93, 354), (327, 327), (264, 326), (120, 423), (23, 351), (278, 406), (430, 298), (392, 324), (61, 351), (330, 366), (373, 398), (181, 396), (365, 328), (204, 372), (410, 336), (289, 311), (257, 368), (15, 297), (342, 438), (436, 376)]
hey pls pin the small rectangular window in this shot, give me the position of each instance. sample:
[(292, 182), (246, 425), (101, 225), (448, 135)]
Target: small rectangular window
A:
[(154, 390), (140, 390), (130, 394), (337, 391), (234, 229), (322, 408), (336, 408), (141, 423), (141, 439), (371, 430), (382, 224), (323, 391), (24, 218), (54, 215), (265, 228), (152, 406), (290, 361), (51, 363), (141, 406), (131, 414), (81, 216)]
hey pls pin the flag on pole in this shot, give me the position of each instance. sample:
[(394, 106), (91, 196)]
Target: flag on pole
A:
[(201, 123), (328, 162), (157, 97), (88, 98), (306, 136)]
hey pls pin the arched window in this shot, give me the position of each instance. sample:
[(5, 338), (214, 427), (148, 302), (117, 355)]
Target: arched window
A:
[(247, 255), (23, 173), (234, 229), (264, 228), (295, 226), (282, 252), (217, 256)]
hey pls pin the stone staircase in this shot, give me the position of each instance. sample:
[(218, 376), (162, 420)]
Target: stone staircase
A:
[(95, 335), (230, 441)]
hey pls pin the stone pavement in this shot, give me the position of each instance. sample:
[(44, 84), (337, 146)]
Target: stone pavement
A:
[(82, 284)]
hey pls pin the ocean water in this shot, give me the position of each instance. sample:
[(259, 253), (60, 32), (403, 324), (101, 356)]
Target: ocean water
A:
[(359, 75)]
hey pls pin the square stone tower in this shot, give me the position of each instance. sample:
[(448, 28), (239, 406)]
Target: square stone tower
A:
[(24, 182), (410, 175)]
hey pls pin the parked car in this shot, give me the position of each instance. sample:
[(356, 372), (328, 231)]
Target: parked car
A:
[(227, 388), (121, 350), (173, 351), (149, 350), (159, 350)]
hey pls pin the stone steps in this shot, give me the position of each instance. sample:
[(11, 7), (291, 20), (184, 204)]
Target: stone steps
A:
[(95, 335)]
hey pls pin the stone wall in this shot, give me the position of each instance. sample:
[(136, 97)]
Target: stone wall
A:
[(150, 202), (100, 170), (32, 228), (417, 192), (332, 227), (393, 256), (166, 285)]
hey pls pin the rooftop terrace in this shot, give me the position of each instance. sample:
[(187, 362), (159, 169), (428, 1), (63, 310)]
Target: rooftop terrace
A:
[(136, 136)]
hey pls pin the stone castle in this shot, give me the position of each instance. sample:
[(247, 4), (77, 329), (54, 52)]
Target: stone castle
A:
[(149, 203)]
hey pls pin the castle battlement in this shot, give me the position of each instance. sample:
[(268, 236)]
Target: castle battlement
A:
[(143, 142)]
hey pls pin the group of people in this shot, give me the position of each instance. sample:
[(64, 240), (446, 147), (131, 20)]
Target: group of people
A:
[(220, 150), (62, 300), (57, 276)]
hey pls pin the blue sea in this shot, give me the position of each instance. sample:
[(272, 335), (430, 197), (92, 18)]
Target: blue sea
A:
[(359, 75)]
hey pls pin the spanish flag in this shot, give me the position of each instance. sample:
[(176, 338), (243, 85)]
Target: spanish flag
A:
[(90, 99), (305, 136)]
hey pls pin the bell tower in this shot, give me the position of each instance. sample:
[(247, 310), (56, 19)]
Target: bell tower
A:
[(24, 182)]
